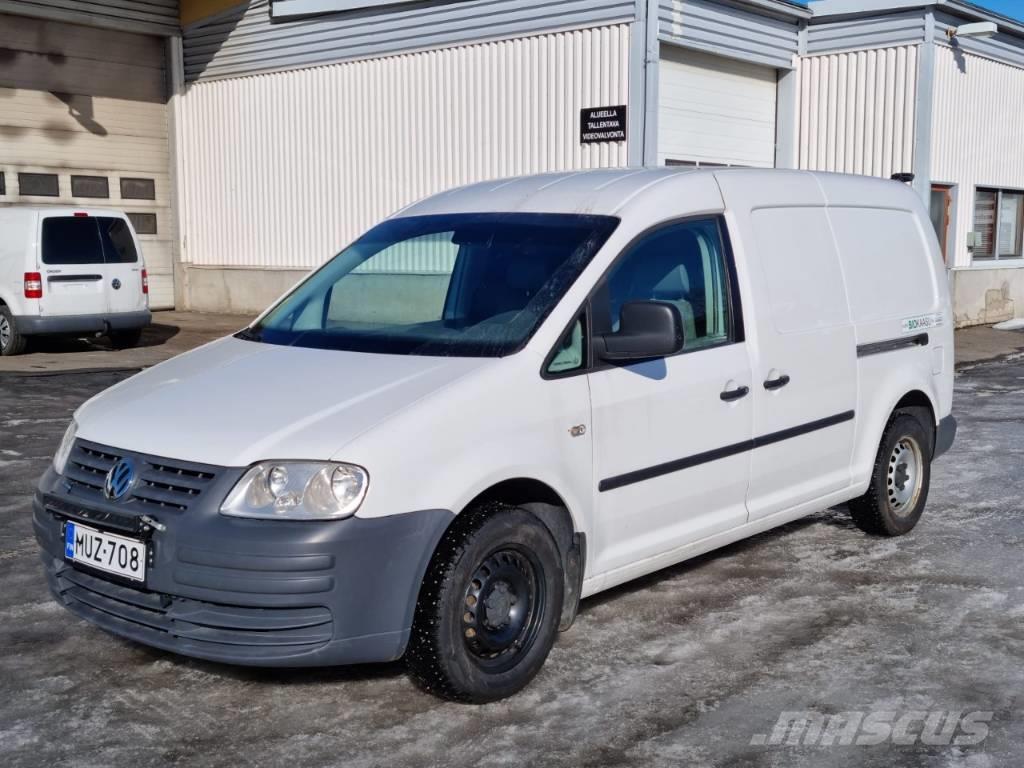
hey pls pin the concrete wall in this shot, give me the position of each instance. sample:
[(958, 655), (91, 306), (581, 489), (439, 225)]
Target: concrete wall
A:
[(233, 290), (984, 296)]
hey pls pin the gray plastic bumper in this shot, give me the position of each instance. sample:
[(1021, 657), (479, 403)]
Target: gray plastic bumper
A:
[(945, 434), (41, 325), (250, 592)]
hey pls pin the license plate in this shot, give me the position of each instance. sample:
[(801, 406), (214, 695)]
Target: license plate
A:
[(105, 551)]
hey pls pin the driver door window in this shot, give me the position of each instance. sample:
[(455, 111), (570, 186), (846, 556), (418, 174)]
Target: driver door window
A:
[(683, 265)]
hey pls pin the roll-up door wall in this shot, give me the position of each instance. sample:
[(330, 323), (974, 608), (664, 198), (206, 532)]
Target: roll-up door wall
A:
[(88, 106), (715, 111)]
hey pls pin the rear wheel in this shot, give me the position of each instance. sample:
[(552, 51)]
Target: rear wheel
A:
[(898, 492), (125, 339), (489, 607), (11, 340)]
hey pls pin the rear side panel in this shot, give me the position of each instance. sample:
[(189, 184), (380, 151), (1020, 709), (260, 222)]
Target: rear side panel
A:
[(899, 303)]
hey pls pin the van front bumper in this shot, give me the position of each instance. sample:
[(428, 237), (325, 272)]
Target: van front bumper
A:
[(42, 325), (248, 592)]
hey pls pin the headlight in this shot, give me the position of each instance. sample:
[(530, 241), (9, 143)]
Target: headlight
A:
[(297, 490), (60, 458)]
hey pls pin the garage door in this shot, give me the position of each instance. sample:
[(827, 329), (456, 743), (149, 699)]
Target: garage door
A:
[(83, 121), (715, 111)]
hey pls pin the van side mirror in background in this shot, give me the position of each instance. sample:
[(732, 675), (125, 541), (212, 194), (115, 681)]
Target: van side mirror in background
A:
[(647, 329)]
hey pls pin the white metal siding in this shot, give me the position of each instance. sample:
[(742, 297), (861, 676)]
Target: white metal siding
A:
[(715, 110), (282, 170), (857, 111), (725, 30), (245, 42), (976, 135), (877, 31)]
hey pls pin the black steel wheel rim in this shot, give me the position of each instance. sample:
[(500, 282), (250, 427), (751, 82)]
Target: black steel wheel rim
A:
[(502, 608)]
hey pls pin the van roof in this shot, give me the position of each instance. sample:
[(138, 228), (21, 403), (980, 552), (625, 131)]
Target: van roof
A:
[(611, 192), (65, 210)]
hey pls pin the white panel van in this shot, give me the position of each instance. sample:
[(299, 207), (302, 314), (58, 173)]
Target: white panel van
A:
[(70, 271), (504, 399)]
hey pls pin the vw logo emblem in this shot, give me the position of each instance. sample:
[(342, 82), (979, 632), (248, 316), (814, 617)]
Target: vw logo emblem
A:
[(116, 283), (120, 479)]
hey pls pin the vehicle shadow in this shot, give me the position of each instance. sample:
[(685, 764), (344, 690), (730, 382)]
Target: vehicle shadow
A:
[(833, 517), (154, 335)]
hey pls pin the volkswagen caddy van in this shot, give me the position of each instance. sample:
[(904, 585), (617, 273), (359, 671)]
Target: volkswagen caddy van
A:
[(504, 399), (72, 272)]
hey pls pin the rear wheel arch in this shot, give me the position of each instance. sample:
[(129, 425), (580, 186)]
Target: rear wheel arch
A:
[(920, 405)]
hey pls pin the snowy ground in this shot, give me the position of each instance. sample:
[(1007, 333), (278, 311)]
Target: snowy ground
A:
[(684, 668)]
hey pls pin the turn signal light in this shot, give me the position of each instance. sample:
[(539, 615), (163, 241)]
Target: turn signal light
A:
[(33, 285), (145, 282)]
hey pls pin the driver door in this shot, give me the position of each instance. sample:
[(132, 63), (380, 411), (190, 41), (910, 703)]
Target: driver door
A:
[(671, 436)]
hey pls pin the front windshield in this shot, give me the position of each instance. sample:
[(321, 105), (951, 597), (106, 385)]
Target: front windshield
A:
[(467, 284)]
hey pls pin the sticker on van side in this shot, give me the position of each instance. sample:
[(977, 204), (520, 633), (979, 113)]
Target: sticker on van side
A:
[(921, 323)]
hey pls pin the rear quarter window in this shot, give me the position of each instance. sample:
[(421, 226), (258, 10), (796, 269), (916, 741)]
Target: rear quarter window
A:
[(87, 240), (885, 261), (69, 240)]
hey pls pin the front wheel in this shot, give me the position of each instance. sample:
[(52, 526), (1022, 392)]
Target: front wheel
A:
[(896, 497), (489, 607)]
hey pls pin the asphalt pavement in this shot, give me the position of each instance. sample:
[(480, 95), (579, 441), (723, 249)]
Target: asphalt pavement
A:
[(694, 666)]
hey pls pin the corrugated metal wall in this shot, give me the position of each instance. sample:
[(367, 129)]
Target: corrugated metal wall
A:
[(976, 136), (728, 31), (282, 170), (150, 16), (857, 111), (872, 32), (246, 42)]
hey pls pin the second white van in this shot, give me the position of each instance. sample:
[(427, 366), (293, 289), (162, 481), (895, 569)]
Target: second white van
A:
[(72, 272), (502, 400)]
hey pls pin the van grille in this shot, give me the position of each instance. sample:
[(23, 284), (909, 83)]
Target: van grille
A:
[(163, 483)]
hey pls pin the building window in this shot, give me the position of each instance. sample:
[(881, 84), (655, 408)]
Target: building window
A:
[(3, 183), (90, 186), (39, 184), (144, 223), (998, 225), (138, 189)]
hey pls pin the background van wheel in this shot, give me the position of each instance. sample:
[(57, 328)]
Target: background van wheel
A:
[(125, 339), (489, 607), (11, 340), (899, 481)]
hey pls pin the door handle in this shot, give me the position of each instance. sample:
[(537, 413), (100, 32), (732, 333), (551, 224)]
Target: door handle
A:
[(734, 394), (777, 383)]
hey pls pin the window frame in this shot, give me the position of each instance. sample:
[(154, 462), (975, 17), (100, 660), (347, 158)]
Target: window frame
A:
[(1010, 259), (734, 305)]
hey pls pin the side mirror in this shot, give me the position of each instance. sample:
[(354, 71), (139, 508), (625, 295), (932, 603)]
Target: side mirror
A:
[(647, 329)]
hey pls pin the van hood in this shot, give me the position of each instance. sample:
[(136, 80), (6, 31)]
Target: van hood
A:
[(235, 402)]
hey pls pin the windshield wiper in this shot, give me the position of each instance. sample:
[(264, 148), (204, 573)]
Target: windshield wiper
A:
[(249, 334)]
